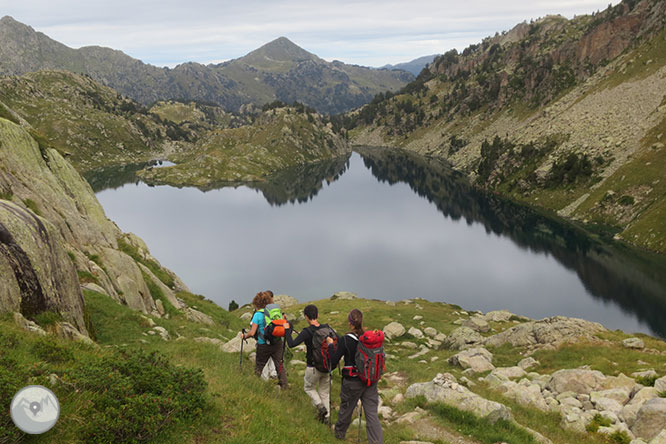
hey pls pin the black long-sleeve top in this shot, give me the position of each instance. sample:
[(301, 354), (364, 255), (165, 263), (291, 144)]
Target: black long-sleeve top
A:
[(347, 348), (306, 336)]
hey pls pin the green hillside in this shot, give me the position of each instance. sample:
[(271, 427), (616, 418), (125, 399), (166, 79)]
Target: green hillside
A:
[(564, 114)]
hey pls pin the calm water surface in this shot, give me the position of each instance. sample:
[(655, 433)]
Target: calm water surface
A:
[(386, 225)]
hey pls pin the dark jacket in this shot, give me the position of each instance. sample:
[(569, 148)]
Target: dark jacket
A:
[(347, 345), (306, 336)]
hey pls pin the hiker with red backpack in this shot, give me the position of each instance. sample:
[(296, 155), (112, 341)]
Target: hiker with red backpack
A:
[(364, 365), (317, 379), (268, 328)]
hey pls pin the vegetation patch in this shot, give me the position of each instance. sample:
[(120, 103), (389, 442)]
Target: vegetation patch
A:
[(472, 425), (32, 206), (166, 278)]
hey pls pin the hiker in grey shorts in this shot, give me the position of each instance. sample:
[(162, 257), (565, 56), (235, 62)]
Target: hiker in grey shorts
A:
[(353, 388)]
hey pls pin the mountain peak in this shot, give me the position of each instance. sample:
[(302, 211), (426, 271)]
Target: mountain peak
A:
[(281, 49)]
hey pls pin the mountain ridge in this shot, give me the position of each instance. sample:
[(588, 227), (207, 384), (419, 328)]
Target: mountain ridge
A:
[(278, 70)]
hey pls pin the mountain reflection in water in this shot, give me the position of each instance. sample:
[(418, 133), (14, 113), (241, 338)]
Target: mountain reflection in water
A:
[(611, 272), (335, 225)]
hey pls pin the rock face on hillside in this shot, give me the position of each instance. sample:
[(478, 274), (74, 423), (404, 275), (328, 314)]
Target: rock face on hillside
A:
[(51, 226), (37, 275)]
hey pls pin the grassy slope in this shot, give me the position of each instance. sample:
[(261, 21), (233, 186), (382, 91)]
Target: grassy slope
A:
[(91, 123), (240, 407), (279, 139)]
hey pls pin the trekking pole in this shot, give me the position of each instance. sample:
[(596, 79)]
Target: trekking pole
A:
[(241, 352), (330, 389), (360, 413)]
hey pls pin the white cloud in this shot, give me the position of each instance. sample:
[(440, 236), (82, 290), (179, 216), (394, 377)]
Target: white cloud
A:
[(363, 32)]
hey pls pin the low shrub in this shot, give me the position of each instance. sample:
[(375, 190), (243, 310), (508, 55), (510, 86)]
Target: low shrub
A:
[(136, 396)]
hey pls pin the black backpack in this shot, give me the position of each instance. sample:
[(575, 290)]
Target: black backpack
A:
[(322, 351)]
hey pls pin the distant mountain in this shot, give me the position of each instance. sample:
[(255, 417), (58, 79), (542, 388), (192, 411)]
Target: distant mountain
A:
[(279, 70), (415, 66)]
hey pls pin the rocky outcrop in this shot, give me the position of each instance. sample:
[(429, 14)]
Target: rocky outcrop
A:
[(129, 283), (552, 331), (444, 388), (477, 359), (394, 330), (37, 273), (53, 225), (461, 338)]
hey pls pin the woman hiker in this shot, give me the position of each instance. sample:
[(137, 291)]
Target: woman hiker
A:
[(266, 351), (353, 388), (316, 380)]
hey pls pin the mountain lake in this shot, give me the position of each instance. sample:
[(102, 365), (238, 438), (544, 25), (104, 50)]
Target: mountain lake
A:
[(389, 225)]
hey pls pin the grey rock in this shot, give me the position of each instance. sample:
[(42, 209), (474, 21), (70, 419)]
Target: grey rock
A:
[(477, 323), (660, 438), (28, 325), (94, 287), (430, 332), (285, 301), (498, 316), (576, 380), (344, 295), (196, 316), (528, 363), (635, 343), (477, 359), (651, 419), (394, 330), (164, 334), (234, 345), (660, 384), (415, 332), (550, 331), (126, 275), (443, 388), (462, 337)]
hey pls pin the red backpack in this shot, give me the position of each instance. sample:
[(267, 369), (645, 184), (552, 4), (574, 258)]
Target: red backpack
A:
[(370, 357)]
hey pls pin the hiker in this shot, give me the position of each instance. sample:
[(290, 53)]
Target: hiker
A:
[(265, 350), (317, 379), (352, 388)]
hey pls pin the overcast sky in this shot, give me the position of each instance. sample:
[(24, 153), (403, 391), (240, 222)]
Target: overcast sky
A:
[(371, 33)]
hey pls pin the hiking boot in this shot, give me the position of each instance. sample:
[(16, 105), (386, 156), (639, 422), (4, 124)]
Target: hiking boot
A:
[(321, 413)]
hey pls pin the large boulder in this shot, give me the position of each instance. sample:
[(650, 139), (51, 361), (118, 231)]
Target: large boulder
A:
[(477, 359), (461, 338), (581, 381), (166, 291), (444, 388), (477, 323), (394, 330), (415, 332), (196, 316), (528, 395), (234, 345), (344, 295), (554, 331), (651, 419), (285, 301), (498, 316)]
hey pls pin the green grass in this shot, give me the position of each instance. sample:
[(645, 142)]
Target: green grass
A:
[(32, 206), (166, 278), (469, 424), (87, 277), (47, 318)]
